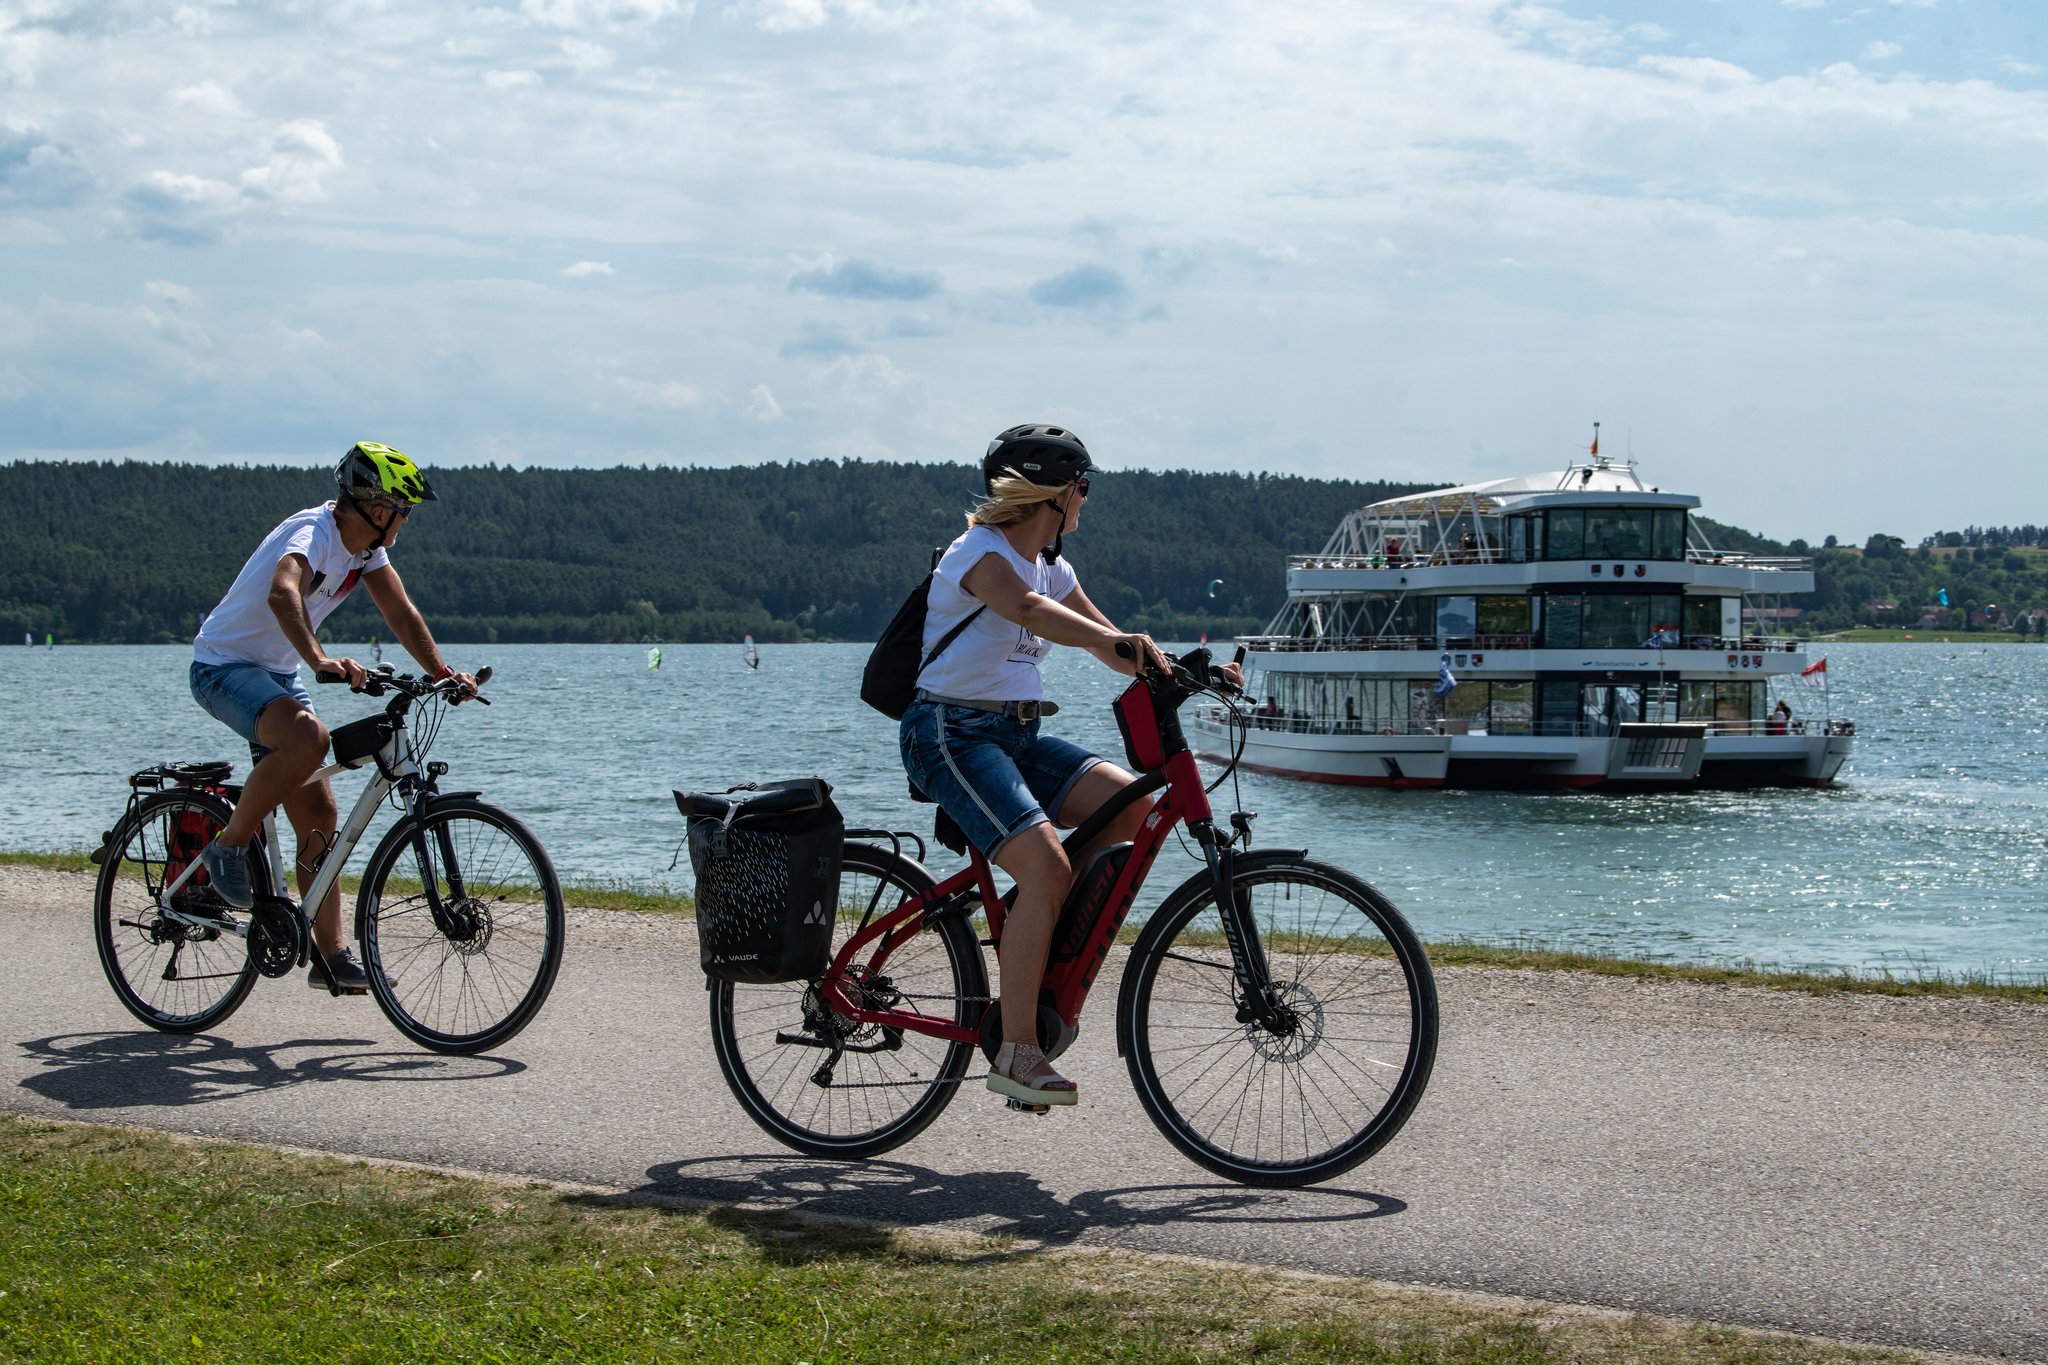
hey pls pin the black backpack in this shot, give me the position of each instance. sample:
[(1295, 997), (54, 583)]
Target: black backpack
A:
[(889, 682)]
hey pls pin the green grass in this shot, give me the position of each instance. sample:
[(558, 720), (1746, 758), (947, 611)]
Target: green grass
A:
[(130, 1246), (1520, 955)]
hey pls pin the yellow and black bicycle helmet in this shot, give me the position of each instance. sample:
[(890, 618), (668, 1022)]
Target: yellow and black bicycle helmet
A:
[(373, 473)]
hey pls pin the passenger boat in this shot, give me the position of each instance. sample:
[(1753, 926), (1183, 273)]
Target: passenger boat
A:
[(1563, 630)]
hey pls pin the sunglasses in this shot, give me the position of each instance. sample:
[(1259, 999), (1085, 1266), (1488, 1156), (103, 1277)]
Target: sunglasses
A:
[(1080, 486)]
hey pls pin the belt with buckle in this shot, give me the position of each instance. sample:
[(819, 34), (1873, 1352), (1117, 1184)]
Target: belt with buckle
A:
[(1023, 712)]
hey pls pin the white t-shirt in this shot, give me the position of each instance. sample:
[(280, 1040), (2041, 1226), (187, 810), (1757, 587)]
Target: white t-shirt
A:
[(243, 629), (991, 660)]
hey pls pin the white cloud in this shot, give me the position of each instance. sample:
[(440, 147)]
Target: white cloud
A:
[(1804, 4), (302, 155), (1880, 51), (1317, 192), (664, 393), (208, 96), (579, 14)]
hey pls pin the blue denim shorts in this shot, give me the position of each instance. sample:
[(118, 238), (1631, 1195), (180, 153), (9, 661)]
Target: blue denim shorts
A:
[(236, 694), (995, 777)]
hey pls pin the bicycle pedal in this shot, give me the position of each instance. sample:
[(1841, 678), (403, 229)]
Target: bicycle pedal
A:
[(1027, 1107)]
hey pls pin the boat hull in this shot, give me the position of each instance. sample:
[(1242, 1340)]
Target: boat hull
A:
[(1534, 762)]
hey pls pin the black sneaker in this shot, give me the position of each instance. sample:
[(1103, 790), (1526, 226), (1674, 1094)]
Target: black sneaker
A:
[(347, 971), (227, 867)]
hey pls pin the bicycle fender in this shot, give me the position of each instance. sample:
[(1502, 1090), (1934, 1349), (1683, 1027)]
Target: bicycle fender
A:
[(1155, 928), (438, 797)]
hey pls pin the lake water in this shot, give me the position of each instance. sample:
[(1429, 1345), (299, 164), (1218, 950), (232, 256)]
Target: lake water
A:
[(1927, 855)]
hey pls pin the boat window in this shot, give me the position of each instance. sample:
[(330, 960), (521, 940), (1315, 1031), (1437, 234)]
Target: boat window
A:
[(1505, 621), (1518, 540), (1456, 618), (1558, 708), (1669, 527), (1566, 533), (1465, 708), (1618, 533), (1734, 707), (1702, 620), (1696, 701), (1595, 699), (1510, 711), (1615, 622), (1664, 617), (1561, 613)]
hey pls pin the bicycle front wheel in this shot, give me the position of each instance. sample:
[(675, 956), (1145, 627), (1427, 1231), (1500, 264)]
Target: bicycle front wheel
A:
[(1331, 1075), (464, 970), (180, 975), (776, 1043)]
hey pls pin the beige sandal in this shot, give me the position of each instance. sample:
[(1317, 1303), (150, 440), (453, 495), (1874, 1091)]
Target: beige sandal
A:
[(1021, 1071)]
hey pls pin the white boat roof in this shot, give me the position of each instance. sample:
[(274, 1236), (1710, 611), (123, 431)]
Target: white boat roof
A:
[(1598, 477)]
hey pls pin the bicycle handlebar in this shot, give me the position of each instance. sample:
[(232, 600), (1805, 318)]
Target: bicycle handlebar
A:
[(1192, 670), (385, 678)]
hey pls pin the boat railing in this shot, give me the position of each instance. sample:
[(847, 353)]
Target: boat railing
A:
[(1739, 560), (1303, 644), (1408, 560), (1300, 723)]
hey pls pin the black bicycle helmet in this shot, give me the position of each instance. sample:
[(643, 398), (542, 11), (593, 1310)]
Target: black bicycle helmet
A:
[(1051, 457)]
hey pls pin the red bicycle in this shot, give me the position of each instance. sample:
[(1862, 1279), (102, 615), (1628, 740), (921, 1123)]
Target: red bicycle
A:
[(1277, 1014)]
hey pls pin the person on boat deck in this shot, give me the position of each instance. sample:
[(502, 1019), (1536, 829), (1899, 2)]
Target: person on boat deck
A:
[(972, 741), (1781, 718), (245, 663)]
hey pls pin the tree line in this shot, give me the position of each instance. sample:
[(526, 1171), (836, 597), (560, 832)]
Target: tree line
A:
[(823, 550)]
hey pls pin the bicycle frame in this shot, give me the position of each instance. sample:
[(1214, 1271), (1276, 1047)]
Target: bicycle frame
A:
[(1071, 968), (396, 769)]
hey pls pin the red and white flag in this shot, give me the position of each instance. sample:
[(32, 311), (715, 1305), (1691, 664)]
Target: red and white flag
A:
[(1817, 666)]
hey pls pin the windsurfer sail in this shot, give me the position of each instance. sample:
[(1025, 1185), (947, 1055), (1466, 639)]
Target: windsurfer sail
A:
[(376, 650), (654, 658), (751, 654)]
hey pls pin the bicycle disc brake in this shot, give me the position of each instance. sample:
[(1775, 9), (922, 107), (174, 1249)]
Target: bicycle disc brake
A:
[(1293, 1025), (277, 937)]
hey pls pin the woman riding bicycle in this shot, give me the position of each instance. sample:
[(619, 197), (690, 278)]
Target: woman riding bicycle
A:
[(971, 740)]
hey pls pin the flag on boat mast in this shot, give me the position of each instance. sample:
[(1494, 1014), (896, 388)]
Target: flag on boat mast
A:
[(1818, 666), (1594, 450), (1444, 681)]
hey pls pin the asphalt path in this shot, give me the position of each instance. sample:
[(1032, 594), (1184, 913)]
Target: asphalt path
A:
[(1859, 1167)]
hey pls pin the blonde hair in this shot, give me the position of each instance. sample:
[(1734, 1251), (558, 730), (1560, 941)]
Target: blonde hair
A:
[(1011, 498)]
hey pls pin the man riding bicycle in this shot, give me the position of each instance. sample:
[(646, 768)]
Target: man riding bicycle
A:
[(245, 663)]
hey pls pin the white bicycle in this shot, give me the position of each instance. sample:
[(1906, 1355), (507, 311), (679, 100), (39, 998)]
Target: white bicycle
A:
[(458, 914)]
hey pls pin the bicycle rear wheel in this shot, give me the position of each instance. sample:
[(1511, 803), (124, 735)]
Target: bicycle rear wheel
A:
[(1304, 1098), (471, 979), (774, 1041), (173, 975)]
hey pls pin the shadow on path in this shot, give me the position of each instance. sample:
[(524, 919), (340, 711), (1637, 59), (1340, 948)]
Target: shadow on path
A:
[(168, 1070), (992, 1203)]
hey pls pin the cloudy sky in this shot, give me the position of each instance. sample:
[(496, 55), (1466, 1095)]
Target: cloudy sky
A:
[(1789, 252)]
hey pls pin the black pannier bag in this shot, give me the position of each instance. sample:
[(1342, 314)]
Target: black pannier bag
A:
[(767, 859), (889, 682)]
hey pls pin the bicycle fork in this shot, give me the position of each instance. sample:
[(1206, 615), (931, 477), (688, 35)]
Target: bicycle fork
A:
[(1258, 1002)]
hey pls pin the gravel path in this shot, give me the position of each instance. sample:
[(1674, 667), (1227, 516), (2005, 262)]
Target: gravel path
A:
[(1856, 1166)]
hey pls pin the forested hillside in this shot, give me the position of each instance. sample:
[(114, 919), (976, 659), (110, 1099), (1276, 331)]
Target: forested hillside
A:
[(826, 550)]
